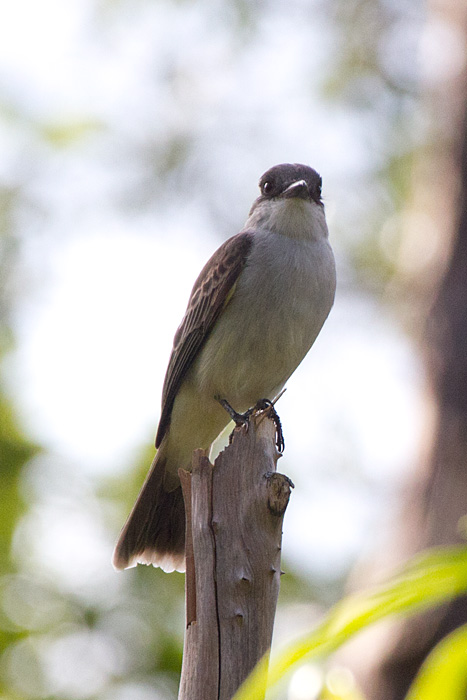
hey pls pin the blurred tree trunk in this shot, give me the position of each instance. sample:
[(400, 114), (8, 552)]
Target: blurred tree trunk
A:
[(436, 500)]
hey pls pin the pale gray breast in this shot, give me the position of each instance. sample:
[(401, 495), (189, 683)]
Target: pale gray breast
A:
[(281, 301), (292, 283)]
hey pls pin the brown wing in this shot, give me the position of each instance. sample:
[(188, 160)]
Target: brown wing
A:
[(208, 297)]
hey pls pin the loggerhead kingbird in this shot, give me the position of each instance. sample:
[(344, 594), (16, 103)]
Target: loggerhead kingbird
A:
[(254, 312)]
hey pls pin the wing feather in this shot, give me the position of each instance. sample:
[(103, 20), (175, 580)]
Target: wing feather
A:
[(211, 292)]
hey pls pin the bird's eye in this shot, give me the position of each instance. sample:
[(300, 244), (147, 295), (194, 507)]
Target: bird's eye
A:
[(268, 187)]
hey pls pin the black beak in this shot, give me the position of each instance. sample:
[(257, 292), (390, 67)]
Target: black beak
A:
[(297, 189)]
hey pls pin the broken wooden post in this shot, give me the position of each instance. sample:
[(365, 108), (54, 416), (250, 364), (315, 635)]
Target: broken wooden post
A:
[(234, 530)]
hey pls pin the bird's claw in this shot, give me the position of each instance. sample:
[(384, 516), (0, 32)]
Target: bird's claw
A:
[(243, 419), (267, 405)]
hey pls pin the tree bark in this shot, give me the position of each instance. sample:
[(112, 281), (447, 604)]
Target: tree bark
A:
[(234, 530)]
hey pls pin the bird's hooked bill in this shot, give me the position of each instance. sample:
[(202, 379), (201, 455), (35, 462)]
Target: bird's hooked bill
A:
[(297, 189)]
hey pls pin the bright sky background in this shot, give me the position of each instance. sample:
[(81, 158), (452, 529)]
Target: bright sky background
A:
[(105, 283)]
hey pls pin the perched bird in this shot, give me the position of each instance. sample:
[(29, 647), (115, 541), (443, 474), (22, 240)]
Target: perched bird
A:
[(254, 312)]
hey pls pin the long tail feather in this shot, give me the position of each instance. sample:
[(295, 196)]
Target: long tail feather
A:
[(154, 532)]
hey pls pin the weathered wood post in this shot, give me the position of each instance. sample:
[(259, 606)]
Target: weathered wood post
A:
[(234, 529)]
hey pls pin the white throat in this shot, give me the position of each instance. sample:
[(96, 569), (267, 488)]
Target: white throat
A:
[(295, 218)]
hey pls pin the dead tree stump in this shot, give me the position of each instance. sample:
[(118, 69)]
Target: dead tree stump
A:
[(234, 530)]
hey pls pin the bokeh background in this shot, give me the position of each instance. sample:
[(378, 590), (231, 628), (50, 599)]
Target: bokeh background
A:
[(132, 137)]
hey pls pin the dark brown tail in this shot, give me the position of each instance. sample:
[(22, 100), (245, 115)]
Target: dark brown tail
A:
[(154, 532)]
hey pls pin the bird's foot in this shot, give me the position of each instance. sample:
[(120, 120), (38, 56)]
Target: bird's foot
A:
[(267, 405), (243, 419)]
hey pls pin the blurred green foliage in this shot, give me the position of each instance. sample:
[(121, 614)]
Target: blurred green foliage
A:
[(15, 451), (431, 578), (55, 641), (375, 78), (444, 673)]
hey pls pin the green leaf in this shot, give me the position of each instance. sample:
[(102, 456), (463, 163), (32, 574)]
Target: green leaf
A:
[(444, 672), (429, 579)]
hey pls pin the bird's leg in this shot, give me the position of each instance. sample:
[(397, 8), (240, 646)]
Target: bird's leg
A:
[(240, 419)]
